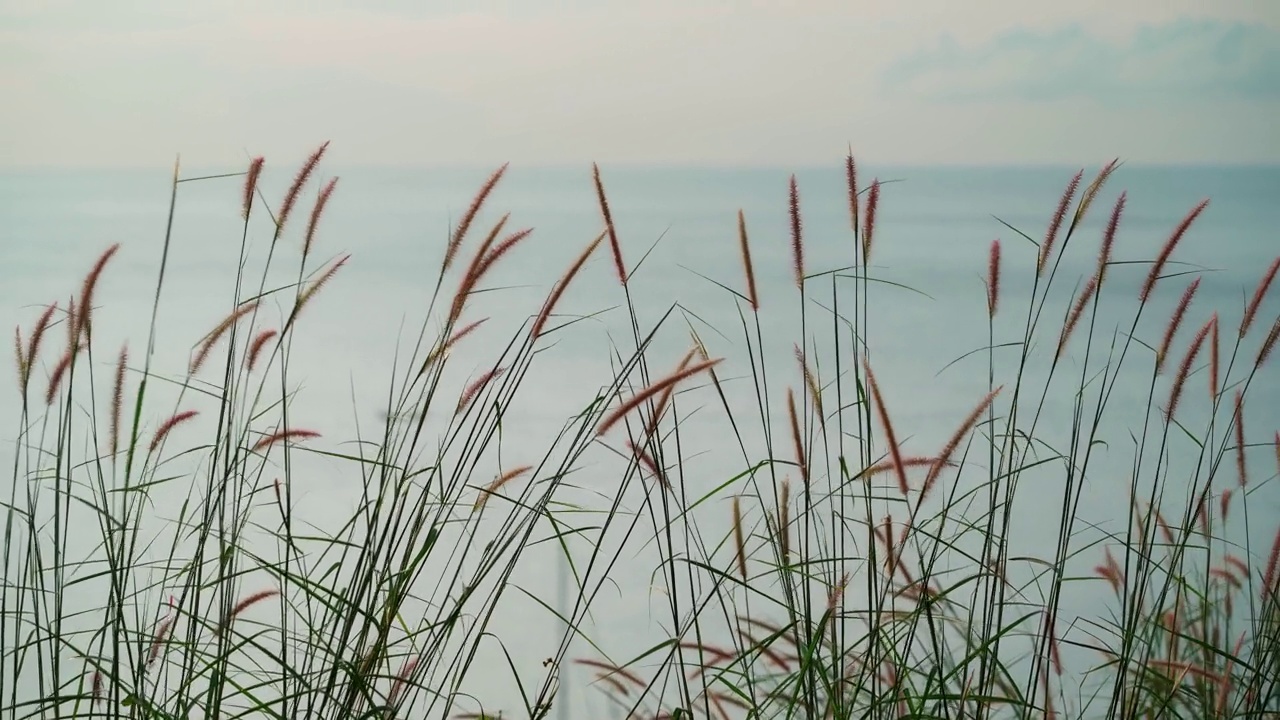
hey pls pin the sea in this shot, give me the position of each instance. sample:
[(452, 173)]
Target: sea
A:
[(926, 338)]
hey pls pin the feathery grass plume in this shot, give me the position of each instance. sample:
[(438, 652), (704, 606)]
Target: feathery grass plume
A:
[(464, 224), (748, 268), (948, 450), (440, 351), (1055, 224), (665, 398), (1175, 321), (883, 412), (1176, 393), (993, 279), (159, 639), (1267, 345), (475, 387), (251, 185), (784, 520), (305, 296), (316, 211), (86, 292), (1258, 294), (851, 183), (33, 342), (869, 224), (1111, 572), (908, 461), (1213, 362), (797, 239), (18, 355), (59, 370), (811, 382), (245, 604), (1240, 464), (281, 435), (1270, 589), (291, 197), (480, 265), (739, 542), (95, 687), (206, 344), (1076, 311), (1169, 246), (653, 389), (474, 270), (614, 246), (613, 670), (73, 322), (563, 285), (402, 678), (1109, 237), (649, 464), (117, 398), (1090, 193), (497, 483), (796, 441), (255, 347), (168, 425)]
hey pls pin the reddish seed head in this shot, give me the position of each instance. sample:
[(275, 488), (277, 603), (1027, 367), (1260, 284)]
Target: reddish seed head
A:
[(993, 279), (1240, 463), (1175, 321), (251, 185), (1055, 224), (168, 425), (282, 435), (316, 211), (745, 249), (1251, 310), (869, 224), (1076, 312), (614, 245), (1169, 246), (1109, 238), (797, 241), (1187, 362), (291, 197)]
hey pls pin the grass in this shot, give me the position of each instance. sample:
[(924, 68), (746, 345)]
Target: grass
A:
[(831, 572)]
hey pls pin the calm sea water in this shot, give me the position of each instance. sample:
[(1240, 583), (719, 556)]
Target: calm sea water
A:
[(934, 228)]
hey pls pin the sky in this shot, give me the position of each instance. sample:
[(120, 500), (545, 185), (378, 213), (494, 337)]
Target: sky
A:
[(699, 82)]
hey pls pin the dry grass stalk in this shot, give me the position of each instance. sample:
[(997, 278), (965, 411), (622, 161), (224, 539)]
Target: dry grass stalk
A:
[(752, 297), (1077, 311), (255, 347), (168, 425), (82, 322), (1055, 224), (284, 435), (948, 450), (1259, 293), (869, 224), (883, 412), (1109, 238), (797, 239), (1169, 246), (1187, 362), (796, 440), (739, 540), (614, 246), (291, 197), (245, 604), (561, 286), (251, 185), (117, 398), (993, 279), (316, 211), (1175, 321), (206, 345), (650, 391)]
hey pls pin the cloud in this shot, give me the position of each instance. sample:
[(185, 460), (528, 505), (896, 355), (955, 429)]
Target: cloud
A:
[(1182, 61)]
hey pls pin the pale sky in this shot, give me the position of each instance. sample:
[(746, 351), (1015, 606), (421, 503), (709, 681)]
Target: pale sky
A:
[(406, 82)]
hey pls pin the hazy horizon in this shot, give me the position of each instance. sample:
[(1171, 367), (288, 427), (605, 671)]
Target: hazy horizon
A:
[(765, 83)]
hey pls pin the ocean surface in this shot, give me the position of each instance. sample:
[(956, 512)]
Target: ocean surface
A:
[(678, 232)]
